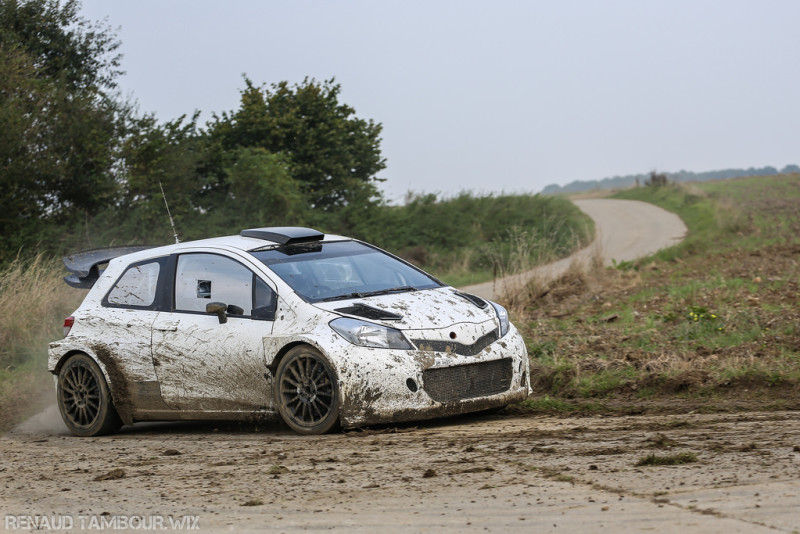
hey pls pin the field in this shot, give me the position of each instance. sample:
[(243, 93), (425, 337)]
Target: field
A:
[(713, 323)]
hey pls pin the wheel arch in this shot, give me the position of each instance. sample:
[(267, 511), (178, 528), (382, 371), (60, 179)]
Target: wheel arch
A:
[(70, 353), (113, 386), (279, 355), (279, 363)]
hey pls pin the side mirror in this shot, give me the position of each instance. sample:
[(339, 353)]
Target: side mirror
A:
[(233, 309), (220, 309)]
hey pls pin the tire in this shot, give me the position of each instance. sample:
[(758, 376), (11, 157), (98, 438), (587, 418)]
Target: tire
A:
[(307, 392), (84, 399)]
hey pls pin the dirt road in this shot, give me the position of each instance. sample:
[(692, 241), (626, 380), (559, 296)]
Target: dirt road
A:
[(630, 229), (472, 474), (626, 230)]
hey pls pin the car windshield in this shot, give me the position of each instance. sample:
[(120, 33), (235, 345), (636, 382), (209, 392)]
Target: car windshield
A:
[(340, 270)]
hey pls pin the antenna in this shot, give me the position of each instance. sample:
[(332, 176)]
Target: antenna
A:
[(174, 231)]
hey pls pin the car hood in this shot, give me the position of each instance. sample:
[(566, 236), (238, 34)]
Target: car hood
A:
[(418, 310)]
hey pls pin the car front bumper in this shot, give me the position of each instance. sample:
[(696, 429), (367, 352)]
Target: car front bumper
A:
[(385, 386)]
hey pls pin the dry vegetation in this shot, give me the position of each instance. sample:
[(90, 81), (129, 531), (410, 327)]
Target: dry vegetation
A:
[(712, 323), (33, 303)]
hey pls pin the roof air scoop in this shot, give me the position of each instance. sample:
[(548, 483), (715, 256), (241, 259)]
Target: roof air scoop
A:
[(287, 235)]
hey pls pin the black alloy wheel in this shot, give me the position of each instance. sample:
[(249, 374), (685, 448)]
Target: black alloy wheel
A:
[(307, 394), (84, 399)]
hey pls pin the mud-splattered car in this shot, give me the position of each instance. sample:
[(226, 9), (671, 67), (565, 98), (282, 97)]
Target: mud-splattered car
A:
[(321, 330)]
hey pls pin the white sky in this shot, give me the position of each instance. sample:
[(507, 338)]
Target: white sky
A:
[(494, 95)]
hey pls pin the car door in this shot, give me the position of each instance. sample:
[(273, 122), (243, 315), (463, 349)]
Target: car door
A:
[(204, 365), (124, 322)]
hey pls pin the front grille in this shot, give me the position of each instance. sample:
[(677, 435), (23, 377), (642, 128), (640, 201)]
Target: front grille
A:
[(458, 348), (460, 382)]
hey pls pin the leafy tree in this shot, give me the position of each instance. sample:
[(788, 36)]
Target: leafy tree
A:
[(334, 155), (63, 45), (261, 191), (258, 189), (156, 156), (59, 121)]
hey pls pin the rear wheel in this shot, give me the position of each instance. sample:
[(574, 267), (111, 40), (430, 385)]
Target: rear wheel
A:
[(84, 399), (306, 391)]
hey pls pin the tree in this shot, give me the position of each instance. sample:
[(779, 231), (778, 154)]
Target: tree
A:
[(258, 189), (262, 193), (333, 155), (154, 157), (657, 179), (789, 169), (60, 124)]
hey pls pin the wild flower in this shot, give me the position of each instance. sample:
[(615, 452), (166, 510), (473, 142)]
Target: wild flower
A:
[(701, 314)]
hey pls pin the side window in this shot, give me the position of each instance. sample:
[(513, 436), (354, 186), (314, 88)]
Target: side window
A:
[(265, 301), (204, 278), (136, 287)]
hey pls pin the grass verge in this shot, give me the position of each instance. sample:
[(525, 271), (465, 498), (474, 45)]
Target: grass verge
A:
[(469, 239), (710, 323), (33, 303)]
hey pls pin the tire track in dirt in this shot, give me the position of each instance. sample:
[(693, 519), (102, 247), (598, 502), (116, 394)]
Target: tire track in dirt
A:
[(474, 473)]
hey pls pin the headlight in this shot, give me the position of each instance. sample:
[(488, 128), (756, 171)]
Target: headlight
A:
[(366, 334), (502, 315)]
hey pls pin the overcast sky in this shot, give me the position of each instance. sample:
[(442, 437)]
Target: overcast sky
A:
[(494, 96)]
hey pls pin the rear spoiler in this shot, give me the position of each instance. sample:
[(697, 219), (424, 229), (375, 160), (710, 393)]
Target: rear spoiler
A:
[(84, 267)]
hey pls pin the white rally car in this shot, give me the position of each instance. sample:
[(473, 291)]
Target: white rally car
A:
[(321, 329)]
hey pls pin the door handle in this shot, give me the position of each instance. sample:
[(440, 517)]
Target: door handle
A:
[(167, 328)]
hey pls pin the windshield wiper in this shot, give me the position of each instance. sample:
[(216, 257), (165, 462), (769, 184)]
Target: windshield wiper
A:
[(361, 295)]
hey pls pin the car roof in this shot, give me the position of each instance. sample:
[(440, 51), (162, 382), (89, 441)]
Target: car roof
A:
[(232, 242)]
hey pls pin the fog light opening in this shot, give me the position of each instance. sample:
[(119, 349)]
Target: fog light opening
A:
[(412, 385)]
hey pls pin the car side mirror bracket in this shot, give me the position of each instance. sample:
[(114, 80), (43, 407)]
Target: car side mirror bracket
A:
[(220, 309)]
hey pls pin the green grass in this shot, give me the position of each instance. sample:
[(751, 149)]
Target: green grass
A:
[(557, 405), (745, 212), (604, 382), (715, 316), (468, 239), (548, 404), (461, 278)]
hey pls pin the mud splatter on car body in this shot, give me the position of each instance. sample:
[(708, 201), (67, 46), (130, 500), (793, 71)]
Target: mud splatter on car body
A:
[(165, 358)]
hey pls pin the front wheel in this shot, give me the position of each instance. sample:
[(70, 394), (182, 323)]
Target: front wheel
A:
[(84, 399), (306, 391)]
